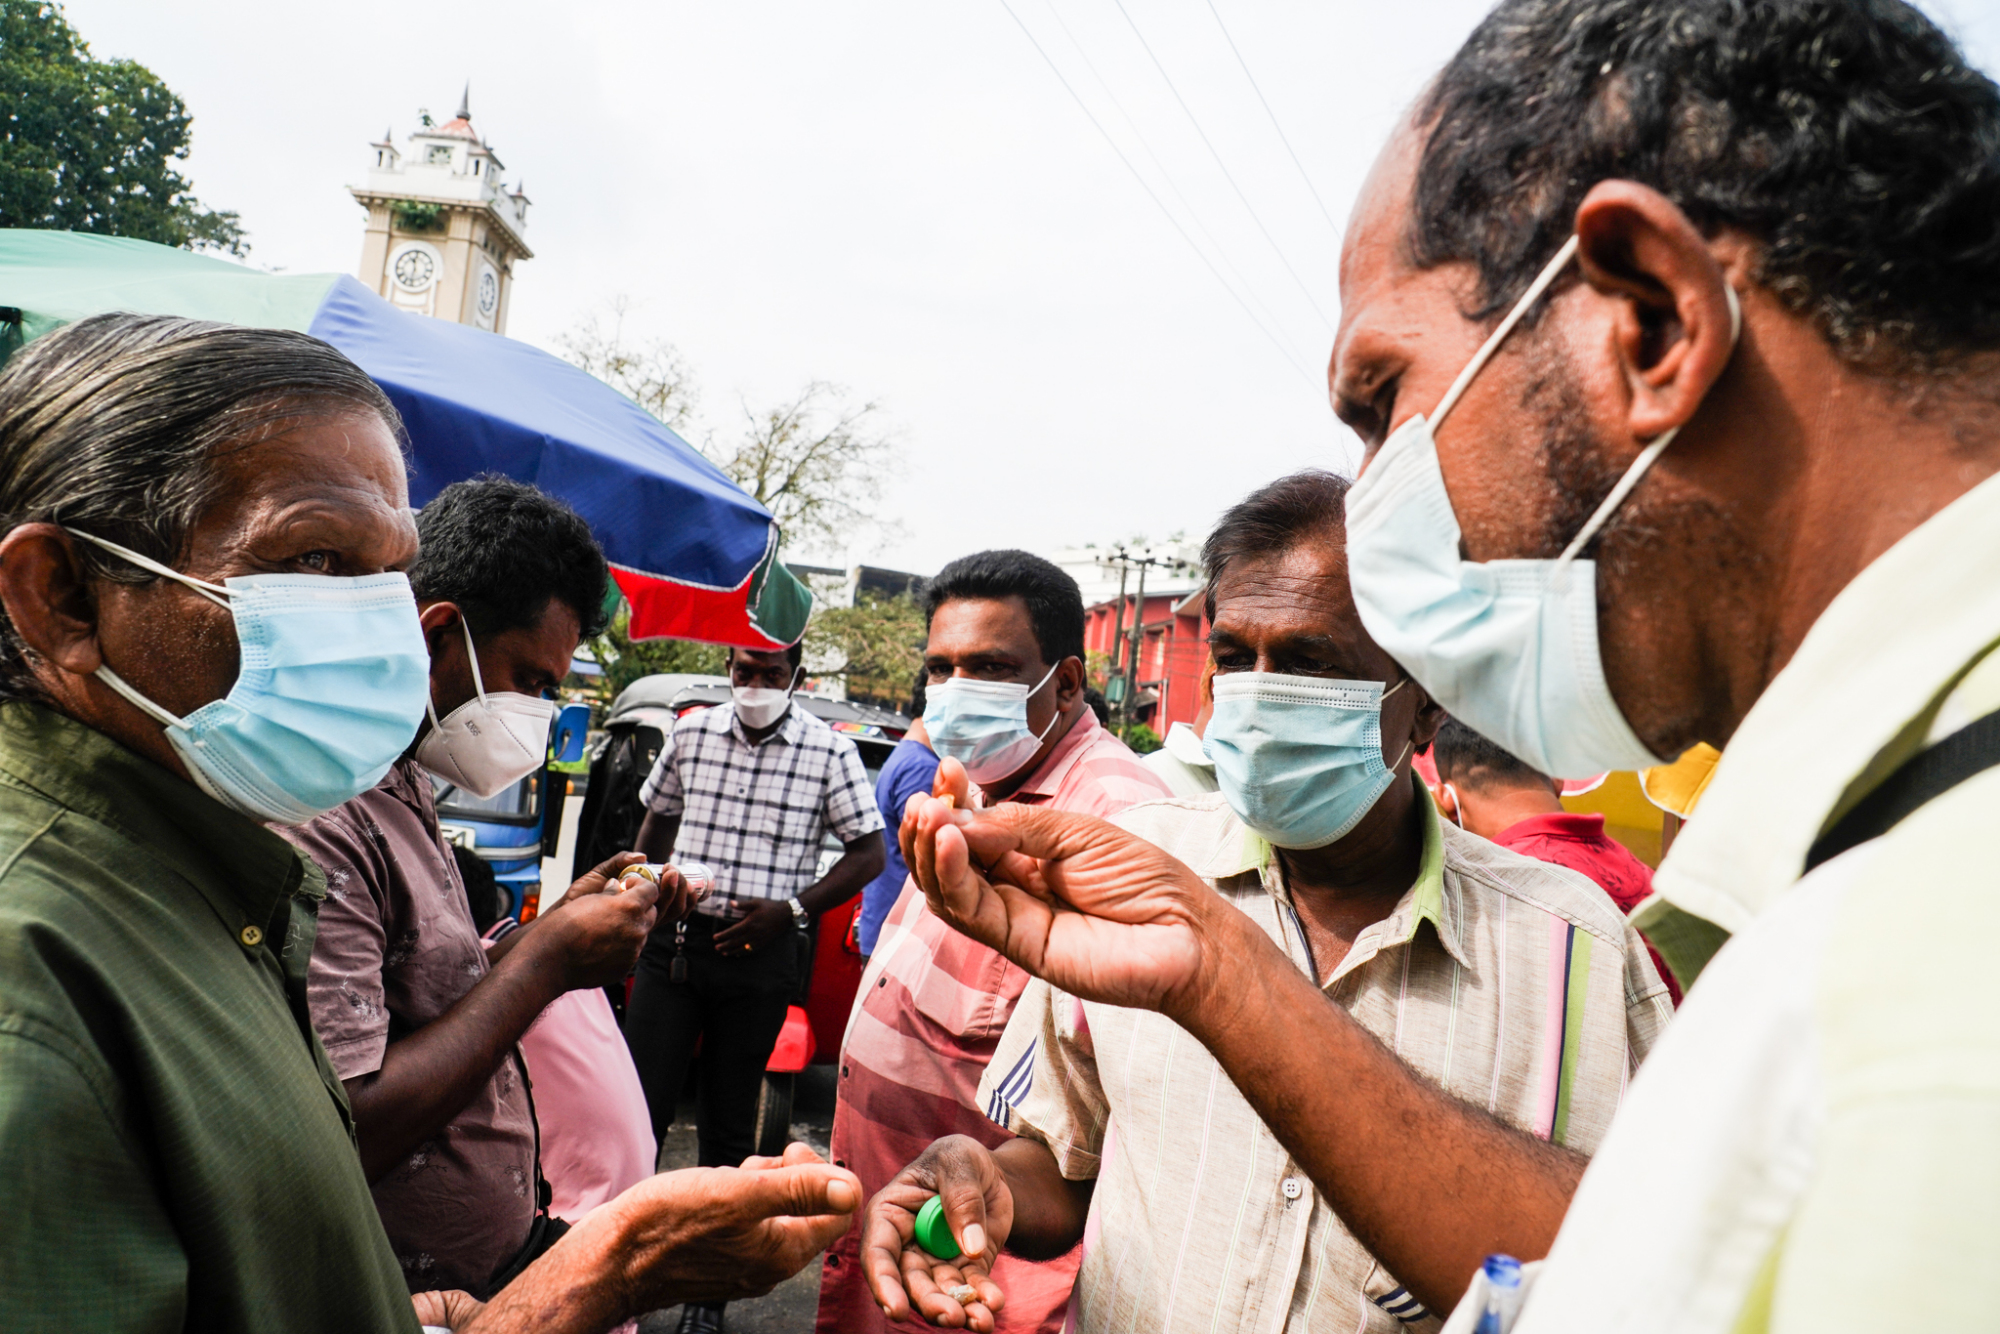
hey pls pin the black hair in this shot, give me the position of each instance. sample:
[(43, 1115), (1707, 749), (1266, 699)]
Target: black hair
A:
[(1464, 756), (794, 653), (115, 426), (919, 692), (1850, 137), (1055, 605), (503, 550), (1099, 705), (1271, 519)]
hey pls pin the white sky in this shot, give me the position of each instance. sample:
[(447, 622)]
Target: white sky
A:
[(899, 197)]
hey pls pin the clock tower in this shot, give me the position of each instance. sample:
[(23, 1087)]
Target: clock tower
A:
[(444, 231)]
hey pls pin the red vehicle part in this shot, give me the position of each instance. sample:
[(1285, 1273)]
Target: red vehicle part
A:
[(836, 976), (794, 1049)]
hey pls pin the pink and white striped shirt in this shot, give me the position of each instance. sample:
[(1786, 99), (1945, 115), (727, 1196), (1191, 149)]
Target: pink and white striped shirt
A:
[(1513, 984), (931, 1007)]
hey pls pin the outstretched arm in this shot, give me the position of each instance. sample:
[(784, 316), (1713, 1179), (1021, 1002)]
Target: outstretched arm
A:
[(1428, 1184)]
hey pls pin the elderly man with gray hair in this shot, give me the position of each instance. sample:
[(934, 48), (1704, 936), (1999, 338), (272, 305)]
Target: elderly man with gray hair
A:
[(207, 631)]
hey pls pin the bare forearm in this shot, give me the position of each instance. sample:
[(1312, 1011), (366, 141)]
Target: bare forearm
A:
[(1049, 1209), (430, 1076), (1427, 1183), (847, 877), (656, 836)]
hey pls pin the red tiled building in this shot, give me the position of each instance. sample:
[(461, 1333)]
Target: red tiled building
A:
[(1172, 648)]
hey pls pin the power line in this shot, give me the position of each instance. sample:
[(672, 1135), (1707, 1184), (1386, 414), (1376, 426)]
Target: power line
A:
[(1195, 121), (1151, 194), (1258, 89), (1222, 251)]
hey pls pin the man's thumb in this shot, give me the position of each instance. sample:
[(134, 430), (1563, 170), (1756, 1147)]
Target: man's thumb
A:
[(806, 1191)]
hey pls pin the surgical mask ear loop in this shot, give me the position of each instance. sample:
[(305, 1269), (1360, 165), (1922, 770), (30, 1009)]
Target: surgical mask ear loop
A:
[(215, 593), (1637, 472)]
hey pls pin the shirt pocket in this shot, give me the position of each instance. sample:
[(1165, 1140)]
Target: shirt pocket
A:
[(966, 989)]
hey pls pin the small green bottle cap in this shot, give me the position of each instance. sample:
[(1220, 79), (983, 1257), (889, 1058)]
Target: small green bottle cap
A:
[(933, 1233)]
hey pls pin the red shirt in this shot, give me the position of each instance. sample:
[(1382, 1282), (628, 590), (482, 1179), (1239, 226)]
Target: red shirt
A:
[(1580, 843), (930, 1012)]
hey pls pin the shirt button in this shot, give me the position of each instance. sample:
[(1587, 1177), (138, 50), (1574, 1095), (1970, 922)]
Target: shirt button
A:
[(843, 1072), (251, 936), (1292, 1187)]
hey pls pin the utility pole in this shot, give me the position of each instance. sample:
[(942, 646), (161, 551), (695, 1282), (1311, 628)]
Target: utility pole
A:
[(1122, 683), (1118, 629), (1132, 658)]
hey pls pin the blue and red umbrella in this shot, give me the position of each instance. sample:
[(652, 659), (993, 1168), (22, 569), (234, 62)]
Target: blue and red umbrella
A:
[(694, 555)]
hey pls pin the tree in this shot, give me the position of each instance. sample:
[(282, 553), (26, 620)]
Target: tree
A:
[(813, 461), (652, 374), (875, 646), (625, 660), (92, 145)]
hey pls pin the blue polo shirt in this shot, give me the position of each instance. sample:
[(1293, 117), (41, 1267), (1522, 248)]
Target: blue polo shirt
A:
[(910, 769)]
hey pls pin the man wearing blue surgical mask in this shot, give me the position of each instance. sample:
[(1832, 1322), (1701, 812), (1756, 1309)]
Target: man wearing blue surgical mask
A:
[(1474, 963), (1004, 708)]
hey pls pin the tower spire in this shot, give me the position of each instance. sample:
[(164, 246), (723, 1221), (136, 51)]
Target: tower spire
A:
[(465, 102)]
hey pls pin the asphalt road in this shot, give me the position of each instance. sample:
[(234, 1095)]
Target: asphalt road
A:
[(789, 1308)]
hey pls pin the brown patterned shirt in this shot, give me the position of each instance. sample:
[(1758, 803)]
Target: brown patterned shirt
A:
[(397, 948)]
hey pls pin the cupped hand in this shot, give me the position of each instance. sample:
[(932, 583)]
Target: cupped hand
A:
[(1092, 909), (449, 1310), (979, 1207), (769, 920), (598, 936), (722, 1233)]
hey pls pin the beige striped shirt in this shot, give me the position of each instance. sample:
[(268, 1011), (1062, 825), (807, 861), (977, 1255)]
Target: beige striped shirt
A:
[(1528, 995)]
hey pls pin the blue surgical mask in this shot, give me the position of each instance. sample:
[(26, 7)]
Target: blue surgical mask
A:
[(984, 724), (333, 679), (1508, 647), (1299, 758)]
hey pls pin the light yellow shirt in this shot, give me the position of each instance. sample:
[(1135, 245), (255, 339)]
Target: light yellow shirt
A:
[(1515, 984), (1815, 1147)]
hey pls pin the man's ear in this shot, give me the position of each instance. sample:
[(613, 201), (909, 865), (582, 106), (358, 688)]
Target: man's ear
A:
[(1672, 328), (441, 622), (48, 597), (1430, 717), (1069, 682)]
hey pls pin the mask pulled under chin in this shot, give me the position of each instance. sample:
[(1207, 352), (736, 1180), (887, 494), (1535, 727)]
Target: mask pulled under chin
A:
[(490, 742)]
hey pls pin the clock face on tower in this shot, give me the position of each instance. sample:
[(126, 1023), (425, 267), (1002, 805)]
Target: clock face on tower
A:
[(414, 270), (489, 293)]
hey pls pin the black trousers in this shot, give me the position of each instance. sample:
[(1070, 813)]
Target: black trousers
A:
[(733, 1006)]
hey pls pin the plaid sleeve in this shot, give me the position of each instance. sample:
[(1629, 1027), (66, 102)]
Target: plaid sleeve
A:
[(1042, 1081), (661, 792), (850, 799)]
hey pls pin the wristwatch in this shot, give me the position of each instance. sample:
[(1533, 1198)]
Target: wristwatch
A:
[(799, 913)]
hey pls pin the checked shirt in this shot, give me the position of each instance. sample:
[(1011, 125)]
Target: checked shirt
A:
[(755, 814)]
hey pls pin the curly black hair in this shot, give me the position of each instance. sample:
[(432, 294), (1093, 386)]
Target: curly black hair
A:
[(501, 549), (1851, 137)]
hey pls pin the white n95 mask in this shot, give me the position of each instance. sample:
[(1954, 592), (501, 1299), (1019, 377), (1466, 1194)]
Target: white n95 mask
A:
[(1508, 647), (757, 706), (984, 724), (490, 742)]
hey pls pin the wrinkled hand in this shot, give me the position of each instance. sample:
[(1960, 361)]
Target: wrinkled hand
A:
[(768, 921), (713, 1234), (980, 1209), (595, 934), (452, 1310), (1096, 911)]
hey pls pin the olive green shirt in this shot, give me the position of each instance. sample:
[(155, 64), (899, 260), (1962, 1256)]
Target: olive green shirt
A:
[(176, 1151)]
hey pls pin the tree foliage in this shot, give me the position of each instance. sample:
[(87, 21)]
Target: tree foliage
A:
[(625, 660), (813, 461), (652, 373), (874, 646), (94, 145)]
